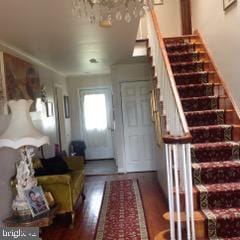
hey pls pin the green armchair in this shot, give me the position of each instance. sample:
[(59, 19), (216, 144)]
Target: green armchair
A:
[(65, 188)]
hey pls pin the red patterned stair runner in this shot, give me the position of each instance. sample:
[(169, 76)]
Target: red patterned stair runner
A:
[(122, 214), (215, 155)]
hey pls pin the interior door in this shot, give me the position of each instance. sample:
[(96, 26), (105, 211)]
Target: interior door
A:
[(97, 122), (138, 127)]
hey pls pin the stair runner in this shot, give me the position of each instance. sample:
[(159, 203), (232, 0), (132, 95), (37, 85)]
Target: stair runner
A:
[(215, 156)]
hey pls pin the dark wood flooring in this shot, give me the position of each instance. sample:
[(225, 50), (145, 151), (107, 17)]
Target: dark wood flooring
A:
[(87, 213)]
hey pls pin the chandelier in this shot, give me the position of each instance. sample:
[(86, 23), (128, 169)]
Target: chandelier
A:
[(108, 11)]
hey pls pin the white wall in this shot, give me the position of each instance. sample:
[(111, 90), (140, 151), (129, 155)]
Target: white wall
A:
[(9, 157), (220, 30), (169, 18), (123, 73), (74, 84)]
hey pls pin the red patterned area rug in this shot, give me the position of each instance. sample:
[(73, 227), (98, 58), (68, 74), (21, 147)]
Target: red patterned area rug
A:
[(122, 215)]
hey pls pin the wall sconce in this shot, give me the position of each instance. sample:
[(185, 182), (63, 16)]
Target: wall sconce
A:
[(44, 98)]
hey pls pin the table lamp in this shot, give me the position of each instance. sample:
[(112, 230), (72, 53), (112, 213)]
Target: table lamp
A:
[(21, 134)]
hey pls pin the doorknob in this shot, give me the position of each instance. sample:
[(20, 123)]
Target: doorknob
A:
[(112, 129)]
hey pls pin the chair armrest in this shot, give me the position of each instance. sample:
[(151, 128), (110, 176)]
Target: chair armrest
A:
[(47, 180), (54, 179), (75, 162)]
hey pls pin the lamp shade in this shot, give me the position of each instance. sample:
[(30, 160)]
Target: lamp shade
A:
[(21, 131)]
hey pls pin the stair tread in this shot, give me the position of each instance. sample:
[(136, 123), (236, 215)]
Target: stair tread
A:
[(214, 145), (194, 85), (188, 63), (203, 112), (206, 128), (184, 52), (219, 187), (225, 213), (179, 44), (216, 165), (193, 73), (199, 98)]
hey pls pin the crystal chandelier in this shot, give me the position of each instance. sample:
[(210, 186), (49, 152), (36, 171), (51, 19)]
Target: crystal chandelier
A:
[(108, 10)]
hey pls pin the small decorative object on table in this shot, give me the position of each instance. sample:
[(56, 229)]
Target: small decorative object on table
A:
[(37, 201)]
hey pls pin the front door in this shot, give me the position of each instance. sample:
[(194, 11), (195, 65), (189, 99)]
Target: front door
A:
[(97, 123), (138, 127)]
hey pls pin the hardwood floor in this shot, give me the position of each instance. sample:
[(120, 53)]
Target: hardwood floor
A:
[(100, 167), (87, 213)]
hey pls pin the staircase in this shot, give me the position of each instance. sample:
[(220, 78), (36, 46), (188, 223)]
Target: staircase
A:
[(215, 128)]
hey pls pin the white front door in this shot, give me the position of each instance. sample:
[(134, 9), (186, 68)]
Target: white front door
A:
[(96, 122), (138, 127)]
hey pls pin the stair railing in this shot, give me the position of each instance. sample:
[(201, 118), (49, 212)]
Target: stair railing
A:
[(176, 135)]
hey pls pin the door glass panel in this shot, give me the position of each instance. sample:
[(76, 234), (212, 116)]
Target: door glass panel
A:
[(95, 112)]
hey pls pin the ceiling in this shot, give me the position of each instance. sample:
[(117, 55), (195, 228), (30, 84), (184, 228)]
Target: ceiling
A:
[(46, 30)]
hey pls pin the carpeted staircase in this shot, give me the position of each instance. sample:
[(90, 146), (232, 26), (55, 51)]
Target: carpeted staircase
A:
[(215, 136)]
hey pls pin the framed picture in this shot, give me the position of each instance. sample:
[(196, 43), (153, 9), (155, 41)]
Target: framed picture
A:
[(66, 107), (49, 109), (36, 201), (228, 3), (158, 2), (20, 79)]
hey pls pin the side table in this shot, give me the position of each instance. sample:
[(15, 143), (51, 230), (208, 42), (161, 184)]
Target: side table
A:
[(40, 221)]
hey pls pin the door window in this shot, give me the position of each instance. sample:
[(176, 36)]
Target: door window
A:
[(95, 112)]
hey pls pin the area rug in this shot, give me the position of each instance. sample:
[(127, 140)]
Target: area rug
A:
[(122, 214)]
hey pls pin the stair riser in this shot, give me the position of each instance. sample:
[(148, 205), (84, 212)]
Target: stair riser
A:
[(200, 104), (180, 48), (225, 229), (224, 153), (217, 175), (211, 135), (189, 57), (205, 118), (198, 91), (191, 67), (181, 39)]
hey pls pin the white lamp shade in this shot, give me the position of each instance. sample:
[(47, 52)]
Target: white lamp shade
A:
[(21, 131)]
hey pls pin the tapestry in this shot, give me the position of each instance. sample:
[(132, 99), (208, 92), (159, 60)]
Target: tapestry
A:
[(21, 79)]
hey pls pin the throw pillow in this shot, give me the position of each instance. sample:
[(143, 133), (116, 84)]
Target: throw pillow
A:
[(52, 166)]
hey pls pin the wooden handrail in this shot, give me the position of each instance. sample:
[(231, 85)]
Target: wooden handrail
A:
[(169, 70), (168, 139)]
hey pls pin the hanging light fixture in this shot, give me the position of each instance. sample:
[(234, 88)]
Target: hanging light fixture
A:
[(108, 11)]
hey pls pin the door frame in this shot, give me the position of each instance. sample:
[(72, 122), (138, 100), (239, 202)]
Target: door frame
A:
[(111, 115), (60, 125)]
